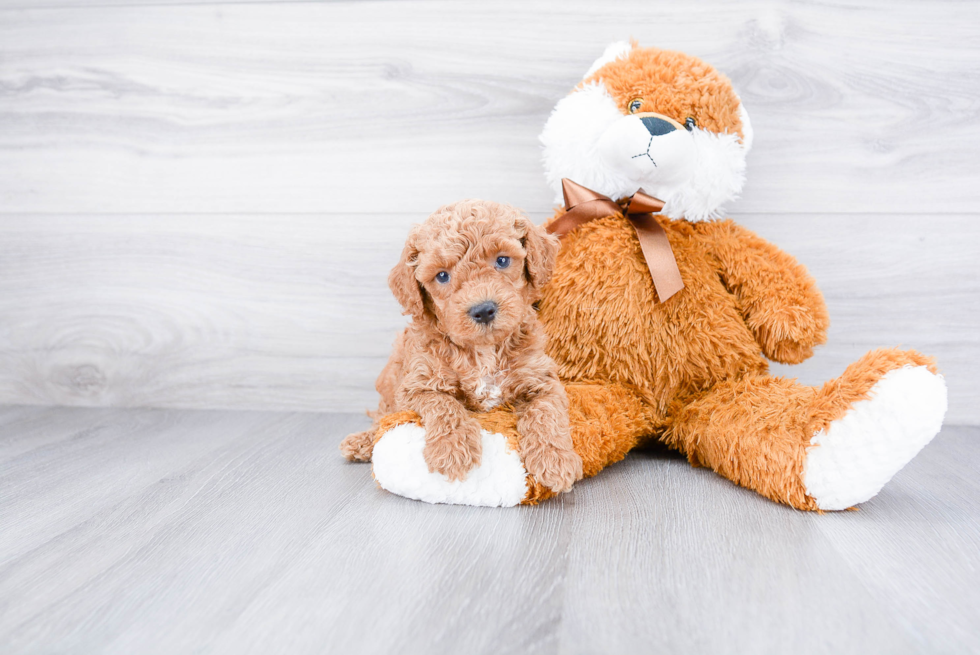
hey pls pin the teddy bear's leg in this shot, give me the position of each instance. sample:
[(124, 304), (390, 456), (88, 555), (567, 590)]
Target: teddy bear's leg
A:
[(606, 422), (825, 448)]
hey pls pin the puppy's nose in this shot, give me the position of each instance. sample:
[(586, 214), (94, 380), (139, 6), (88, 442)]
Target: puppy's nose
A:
[(485, 312), (657, 126)]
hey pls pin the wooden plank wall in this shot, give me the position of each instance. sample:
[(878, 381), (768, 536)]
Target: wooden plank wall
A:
[(200, 201)]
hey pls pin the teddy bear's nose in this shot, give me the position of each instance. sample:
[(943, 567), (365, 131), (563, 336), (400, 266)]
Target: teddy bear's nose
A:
[(657, 126), (485, 312)]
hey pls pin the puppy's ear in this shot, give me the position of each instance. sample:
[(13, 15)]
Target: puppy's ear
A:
[(402, 282), (541, 251)]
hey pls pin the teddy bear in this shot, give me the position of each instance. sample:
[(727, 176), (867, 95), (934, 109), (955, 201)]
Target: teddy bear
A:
[(661, 314)]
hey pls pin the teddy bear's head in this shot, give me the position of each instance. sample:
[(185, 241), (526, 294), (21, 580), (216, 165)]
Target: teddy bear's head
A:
[(654, 119)]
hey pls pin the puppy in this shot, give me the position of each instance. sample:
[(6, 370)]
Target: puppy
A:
[(469, 276)]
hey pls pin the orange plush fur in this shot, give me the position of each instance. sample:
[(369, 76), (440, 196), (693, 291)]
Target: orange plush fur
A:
[(672, 84), (697, 359), (447, 364)]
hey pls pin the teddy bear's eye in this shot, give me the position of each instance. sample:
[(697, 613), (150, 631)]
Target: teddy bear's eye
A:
[(635, 105), (690, 123), (442, 277)]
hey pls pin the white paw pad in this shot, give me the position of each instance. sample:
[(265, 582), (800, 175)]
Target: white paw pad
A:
[(850, 461), (399, 467)]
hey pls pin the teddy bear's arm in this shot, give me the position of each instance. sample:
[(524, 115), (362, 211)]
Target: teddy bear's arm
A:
[(778, 298)]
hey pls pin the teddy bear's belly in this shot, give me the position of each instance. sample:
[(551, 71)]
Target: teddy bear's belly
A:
[(605, 323)]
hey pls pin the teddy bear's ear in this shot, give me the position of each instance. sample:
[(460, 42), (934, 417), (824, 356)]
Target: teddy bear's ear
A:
[(402, 282), (541, 250), (746, 126), (614, 51)]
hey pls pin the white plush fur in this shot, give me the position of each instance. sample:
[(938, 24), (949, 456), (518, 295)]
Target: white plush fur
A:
[(399, 467), (853, 459), (717, 178), (590, 140), (632, 153), (571, 141)]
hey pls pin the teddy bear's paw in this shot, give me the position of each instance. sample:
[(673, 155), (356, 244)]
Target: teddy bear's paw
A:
[(850, 461), (500, 479)]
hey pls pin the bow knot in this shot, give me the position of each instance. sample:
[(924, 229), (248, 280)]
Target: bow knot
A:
[(583, 205)]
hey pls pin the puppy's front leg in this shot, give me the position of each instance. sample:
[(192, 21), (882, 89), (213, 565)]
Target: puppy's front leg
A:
[(453, 444), (546, 441)]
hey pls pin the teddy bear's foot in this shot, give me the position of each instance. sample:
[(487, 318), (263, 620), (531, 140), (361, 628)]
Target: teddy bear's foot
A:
[(850, 460), (399, 467), (607, 420)]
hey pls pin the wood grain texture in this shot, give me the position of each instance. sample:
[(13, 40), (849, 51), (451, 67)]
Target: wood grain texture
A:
[(174, 531), (199, 202), (401, 106)]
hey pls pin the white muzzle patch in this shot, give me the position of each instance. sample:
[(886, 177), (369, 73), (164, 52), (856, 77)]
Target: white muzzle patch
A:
[(665, 161)]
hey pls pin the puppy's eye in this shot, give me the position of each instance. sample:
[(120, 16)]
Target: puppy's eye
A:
[(635, 105), (502, 263), (690, 123), (442, 277)]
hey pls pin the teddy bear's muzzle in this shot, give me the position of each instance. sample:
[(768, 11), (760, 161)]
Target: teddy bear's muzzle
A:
[(648, 151)]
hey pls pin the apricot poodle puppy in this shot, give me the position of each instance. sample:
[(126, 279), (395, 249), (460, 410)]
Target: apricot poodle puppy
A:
[(469, 276)]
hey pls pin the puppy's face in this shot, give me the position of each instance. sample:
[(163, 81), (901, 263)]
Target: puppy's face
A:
[(472, 269)]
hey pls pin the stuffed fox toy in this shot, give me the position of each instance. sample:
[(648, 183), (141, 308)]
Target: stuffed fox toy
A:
[(661, 316)]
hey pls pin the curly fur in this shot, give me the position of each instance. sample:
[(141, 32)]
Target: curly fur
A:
[(445, 365)]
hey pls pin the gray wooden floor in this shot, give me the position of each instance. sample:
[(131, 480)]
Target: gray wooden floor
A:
[(175, 531)]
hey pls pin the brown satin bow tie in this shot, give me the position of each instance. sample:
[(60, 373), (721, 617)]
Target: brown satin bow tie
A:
[(583, 205)]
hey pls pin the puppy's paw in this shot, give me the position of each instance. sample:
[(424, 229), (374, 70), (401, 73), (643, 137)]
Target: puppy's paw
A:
[(555, 467), (453, 451), (357, 447)]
